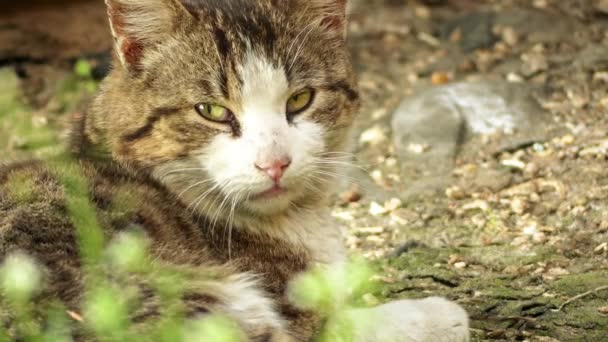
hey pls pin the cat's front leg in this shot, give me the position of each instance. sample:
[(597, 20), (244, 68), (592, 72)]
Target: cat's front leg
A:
[(426, 320), (240, 298)]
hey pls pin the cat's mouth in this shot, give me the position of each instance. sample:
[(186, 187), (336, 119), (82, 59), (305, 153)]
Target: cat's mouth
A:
[(274, 192)]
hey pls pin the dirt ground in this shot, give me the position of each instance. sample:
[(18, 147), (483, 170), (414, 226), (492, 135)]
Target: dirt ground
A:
[(520, 237), (521, 247)]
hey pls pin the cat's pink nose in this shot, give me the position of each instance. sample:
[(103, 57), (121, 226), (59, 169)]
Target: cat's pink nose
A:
[(274, 169)]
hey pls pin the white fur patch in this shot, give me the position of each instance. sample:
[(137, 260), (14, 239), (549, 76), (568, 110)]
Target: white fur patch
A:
[(246, 302)]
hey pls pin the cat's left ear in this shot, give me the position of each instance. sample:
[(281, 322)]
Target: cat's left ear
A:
[(334, 14), (140, 25)]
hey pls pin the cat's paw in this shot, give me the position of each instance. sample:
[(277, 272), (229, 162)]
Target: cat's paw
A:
[(426, 320)]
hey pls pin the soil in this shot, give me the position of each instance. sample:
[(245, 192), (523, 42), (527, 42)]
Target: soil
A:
[(518, 237)]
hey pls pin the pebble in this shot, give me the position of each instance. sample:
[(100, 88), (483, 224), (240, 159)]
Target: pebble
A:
[(418, 148), (460, 265), (479, 220), (602, 248), (370, 230), (391, 162), (557, 272), (377, 176), (455, 193), (393, 204), (343, 215), (523, 189), (601, 6), (567, 139), (514, 78), (509, 36), (477, 205), (519, 205), (531, 169), (422, 12), (514, 163), (540, 3), (351, 196), (530, 228), (440, 78), (376, 209), (539, 238), (374, 136), (533, 63), (404, 216)]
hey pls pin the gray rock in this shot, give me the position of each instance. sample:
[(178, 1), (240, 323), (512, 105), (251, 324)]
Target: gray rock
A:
[(593, 58), (476, 29), (431, 127), (536, 26)]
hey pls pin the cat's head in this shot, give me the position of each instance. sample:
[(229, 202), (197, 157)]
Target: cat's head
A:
[(232, 103)]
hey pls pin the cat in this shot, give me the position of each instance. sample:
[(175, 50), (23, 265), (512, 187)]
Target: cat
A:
[(228, 120)]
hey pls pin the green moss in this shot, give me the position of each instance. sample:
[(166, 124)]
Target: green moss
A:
[(501, 256), (21, 188), (574, 284)]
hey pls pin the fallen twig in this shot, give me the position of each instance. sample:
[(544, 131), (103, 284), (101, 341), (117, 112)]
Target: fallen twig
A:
[(75, 316), (582, 295)]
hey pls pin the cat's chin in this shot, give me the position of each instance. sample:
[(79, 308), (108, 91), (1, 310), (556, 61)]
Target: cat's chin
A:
[(271, 202)]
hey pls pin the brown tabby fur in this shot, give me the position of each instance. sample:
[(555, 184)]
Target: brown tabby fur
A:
[(143, 117)]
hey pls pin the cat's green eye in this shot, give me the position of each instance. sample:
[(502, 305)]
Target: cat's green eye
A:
[(300, 102), (214, 112)]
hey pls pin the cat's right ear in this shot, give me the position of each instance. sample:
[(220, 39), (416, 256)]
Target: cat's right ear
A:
[(138, 25)]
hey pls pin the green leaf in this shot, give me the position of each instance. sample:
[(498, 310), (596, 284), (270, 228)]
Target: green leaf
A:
[(82, 68)]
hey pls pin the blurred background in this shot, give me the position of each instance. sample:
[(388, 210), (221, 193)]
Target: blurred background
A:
[(482, 144)]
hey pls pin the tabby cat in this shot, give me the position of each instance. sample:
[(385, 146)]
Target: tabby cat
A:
[(228, 119)]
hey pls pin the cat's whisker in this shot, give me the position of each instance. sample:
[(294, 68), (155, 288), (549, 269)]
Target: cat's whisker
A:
[(218, 211), (341, 164), (207, 207), (193, 186), (235, 201), (295, 40), (311, 186), (199, 199), (334, 175), (331, 153), (312, 26), (319, 180), (180, 170)]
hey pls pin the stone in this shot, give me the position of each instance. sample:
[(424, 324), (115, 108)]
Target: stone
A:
[(475, 30), (593, 58), (375, 209), (601, 6), (519, 205), (444, 118), (373, 136), (531, 24)]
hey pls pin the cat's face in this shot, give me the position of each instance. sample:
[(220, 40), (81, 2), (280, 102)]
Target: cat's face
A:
[(235, 104)]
